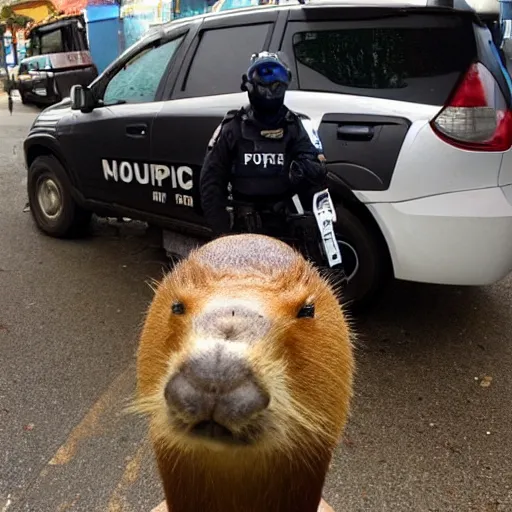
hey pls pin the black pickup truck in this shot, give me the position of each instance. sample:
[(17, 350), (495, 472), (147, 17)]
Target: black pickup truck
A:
[(133, 142)]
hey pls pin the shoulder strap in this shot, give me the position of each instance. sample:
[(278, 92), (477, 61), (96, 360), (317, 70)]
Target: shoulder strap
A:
[(231, 114), (293, 116), (307, 125)]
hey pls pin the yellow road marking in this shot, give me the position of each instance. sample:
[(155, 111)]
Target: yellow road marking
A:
[(89, 425), (117, 501), (7, 503), (67, 505)]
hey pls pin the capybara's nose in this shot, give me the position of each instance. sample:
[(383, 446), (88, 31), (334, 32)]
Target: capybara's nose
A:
[(216, 385)]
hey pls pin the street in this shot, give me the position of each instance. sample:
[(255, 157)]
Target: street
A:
[(429, 431)]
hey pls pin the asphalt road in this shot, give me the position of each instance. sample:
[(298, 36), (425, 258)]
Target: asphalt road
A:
[(424, 435)]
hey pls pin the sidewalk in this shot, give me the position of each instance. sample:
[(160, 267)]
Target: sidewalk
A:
[(18, 107), (4, 95)]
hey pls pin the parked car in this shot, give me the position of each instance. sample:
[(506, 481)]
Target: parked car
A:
[(58, 57), (410, 100)]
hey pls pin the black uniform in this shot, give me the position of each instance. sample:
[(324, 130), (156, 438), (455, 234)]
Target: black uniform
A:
[(256, 159)]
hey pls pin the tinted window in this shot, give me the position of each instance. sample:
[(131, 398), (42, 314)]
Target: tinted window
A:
[(138, 80), (414, 63), (52, 42), (222, 57)]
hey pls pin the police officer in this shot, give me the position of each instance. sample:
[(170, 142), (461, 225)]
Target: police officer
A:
[(263, 149)]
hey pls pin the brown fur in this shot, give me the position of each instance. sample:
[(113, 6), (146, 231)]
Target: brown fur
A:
[(306, 364)]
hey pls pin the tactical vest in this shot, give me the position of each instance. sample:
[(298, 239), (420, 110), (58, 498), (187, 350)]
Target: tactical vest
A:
[(261, 163)]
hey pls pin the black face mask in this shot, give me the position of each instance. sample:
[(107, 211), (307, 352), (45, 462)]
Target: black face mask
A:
[(266, 101), (265, 106)]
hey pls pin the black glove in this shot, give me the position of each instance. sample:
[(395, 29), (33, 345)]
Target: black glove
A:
[(307, 170), (296, 174)]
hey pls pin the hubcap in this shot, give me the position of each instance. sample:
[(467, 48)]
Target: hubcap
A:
[(350, 259), (49, 198)]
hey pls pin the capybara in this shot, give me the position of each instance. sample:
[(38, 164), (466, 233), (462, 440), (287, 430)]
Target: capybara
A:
[(245, 370)]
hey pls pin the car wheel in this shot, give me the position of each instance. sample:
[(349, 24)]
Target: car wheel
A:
[(49, 193), (365, 262)]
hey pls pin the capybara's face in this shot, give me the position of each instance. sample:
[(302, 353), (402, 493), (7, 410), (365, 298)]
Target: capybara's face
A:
[(244, 352)]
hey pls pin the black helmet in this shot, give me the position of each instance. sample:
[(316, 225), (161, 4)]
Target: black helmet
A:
[(266, 81)]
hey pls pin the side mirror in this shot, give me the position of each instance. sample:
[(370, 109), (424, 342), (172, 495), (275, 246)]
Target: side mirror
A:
[(81, 98)]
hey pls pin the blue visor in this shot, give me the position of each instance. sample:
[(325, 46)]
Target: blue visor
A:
[(268, 72)]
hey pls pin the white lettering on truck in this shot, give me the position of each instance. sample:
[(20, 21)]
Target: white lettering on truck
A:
[(144, 174), (184, 200), (126, 172), (159, 197)]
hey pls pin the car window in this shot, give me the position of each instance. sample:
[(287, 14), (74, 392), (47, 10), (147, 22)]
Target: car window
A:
[(35, 64), (138, 80), (221, 58), (39, 63), (407, 63), (51, 42)]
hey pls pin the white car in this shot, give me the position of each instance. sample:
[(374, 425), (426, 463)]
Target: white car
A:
[(410, 99)]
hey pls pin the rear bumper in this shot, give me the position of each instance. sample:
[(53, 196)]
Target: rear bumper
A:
[(460, 238)]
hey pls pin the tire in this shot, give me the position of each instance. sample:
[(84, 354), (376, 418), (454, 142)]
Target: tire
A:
[(366, 262), (52, 206)]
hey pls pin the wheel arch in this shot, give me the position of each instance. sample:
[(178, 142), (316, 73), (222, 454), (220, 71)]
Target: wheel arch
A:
[(46, 145), (342, 195)]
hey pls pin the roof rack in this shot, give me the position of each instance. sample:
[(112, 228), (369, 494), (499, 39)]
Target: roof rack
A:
[(460, 5)]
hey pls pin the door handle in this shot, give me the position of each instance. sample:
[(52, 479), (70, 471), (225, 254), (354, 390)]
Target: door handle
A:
[(136, 130), (355, 132)]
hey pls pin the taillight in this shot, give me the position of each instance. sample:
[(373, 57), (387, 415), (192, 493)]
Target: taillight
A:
[(477, 116)]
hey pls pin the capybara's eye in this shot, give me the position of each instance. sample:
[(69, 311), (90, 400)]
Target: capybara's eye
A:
[(178, 308), (306, 311)]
